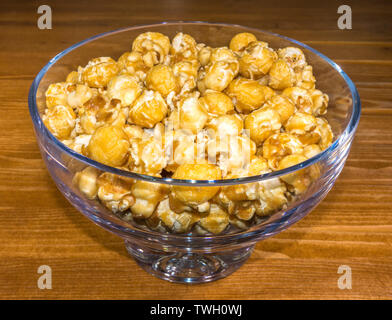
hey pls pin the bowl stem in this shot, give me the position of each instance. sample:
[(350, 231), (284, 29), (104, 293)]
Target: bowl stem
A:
[(188, 267)]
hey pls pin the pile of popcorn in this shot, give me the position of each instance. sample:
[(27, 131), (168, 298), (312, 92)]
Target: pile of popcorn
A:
[(184, 110)]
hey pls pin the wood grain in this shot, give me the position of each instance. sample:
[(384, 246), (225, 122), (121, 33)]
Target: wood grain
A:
[(352, 226)]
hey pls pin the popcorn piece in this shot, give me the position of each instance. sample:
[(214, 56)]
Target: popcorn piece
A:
[(200, 171), (147, 197), (175, 222), (204, 54), (60, 120), (99, 71), (216, 103), (124, 88), (86, 181), (324, 130), (293, 56), (311, 150), (146, 156), (226, 125), (282, 105), (79, 96), (217, 76), (256, 60), (191, 114), (241, 40), (115, 192), (216, 221), (248, 95), (183, 47), (300, 97), (149, 109), (153, 46), (109, 145), (280, 145), (57, 94), (133, 64), (271, 197), (231, 152), (161, 78), (303, 125), (320, 102), (262, 123), (185, 73), (281, 75), (300, 179)]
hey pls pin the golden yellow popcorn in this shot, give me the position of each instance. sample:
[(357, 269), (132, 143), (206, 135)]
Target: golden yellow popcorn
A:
[(231, 152), (282, 105), (124, 88), (147, 197), (216, 221), (60, 120), (99, 71), (191, 114), (109, 145), (281, 75), (133, 64), (324, 130), (256, 60), (224, 54), (115, 192), (217, 76), (188, 111), (271, 197), (293, 56), (181, 147), (57, 94), (320, 102), (88, 113), (74, 77), (241, 40), (185, 73), (204, 54), (161, 78), (280, 145), (248, 95), (149, 109), (175, 222), (305, 78), (303, 125), (262, 123), (299, 180), (86, 181), (300, 97), (311, 150), (216, 103), (133, 132), (153, 46), (146, 156), (183, 47), (79, 96), (241, 192), (196, 171), (226, 125), (79, 143)]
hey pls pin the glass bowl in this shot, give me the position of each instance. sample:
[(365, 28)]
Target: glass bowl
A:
[(195, 258)]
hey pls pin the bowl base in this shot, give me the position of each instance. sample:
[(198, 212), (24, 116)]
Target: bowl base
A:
[(188, 267)]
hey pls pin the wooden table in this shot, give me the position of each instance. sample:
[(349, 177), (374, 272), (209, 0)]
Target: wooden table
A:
[(352, 226)]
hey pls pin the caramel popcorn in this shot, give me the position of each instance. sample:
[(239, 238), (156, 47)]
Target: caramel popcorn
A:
[(184, 110), (248, 95)]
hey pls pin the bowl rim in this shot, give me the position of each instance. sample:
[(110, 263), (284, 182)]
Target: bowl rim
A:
[(344, 136)]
